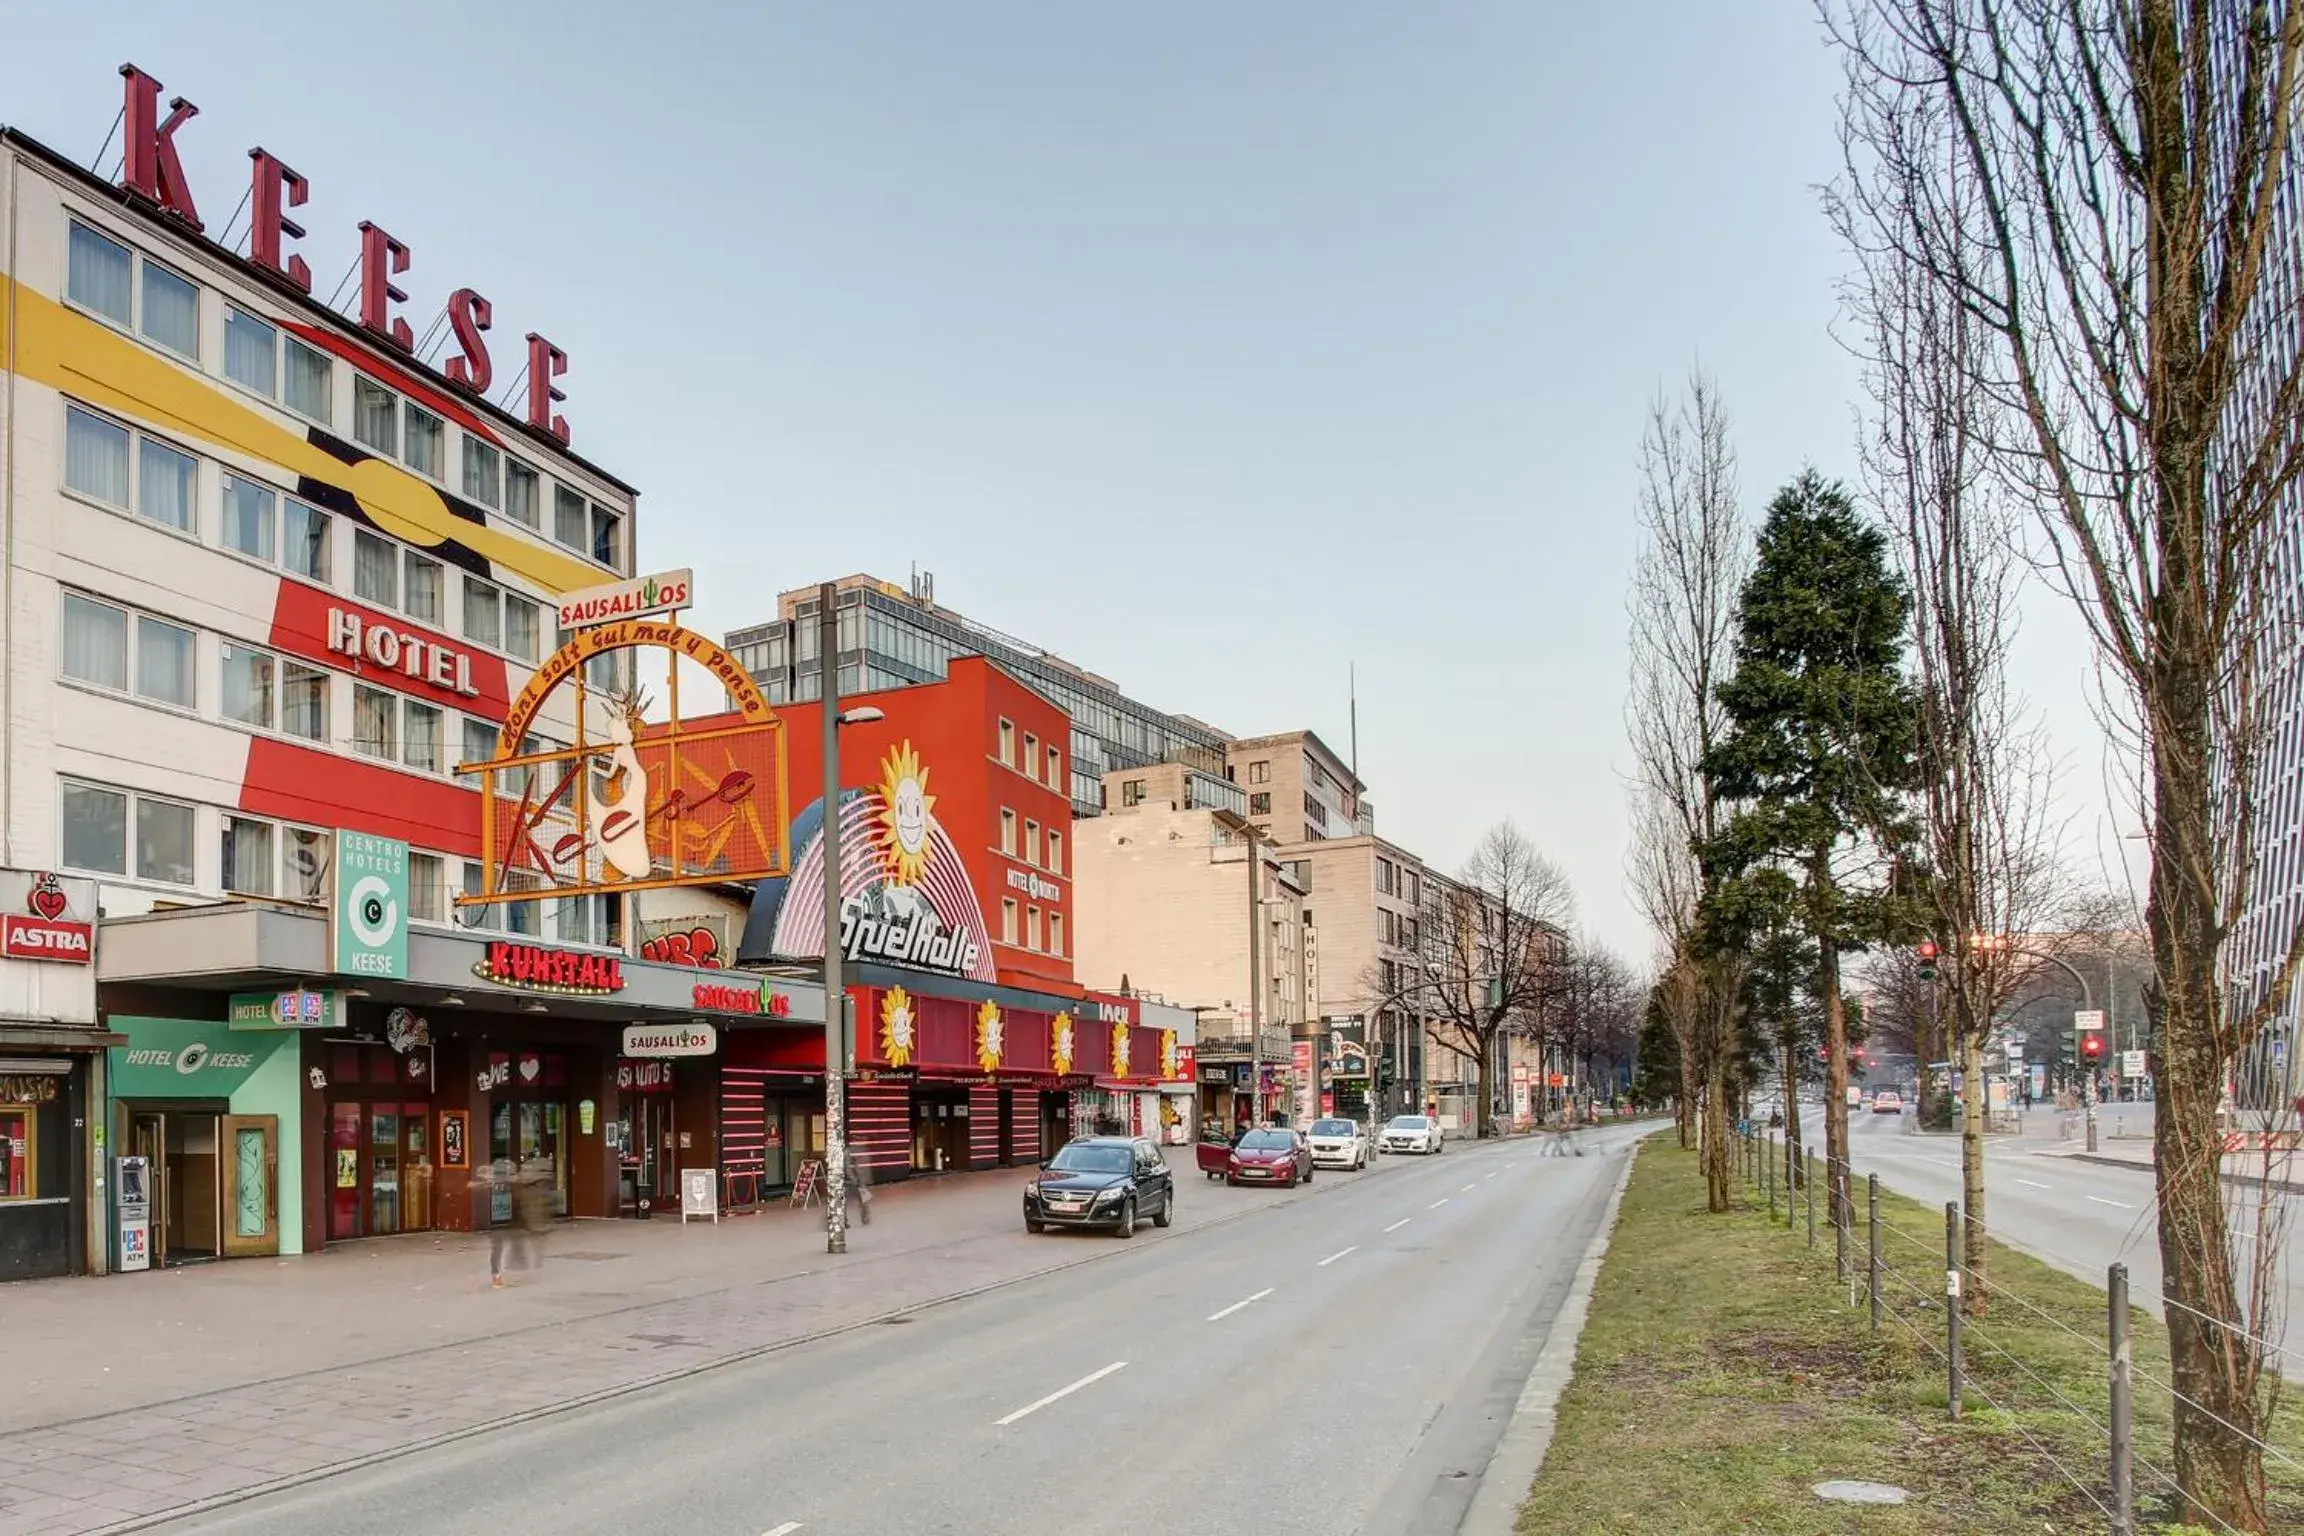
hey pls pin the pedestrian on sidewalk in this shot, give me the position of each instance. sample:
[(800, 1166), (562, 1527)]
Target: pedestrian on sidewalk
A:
[(858, 1189), (503, 1236)]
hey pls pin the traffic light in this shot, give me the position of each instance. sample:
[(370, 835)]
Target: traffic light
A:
[(2092, 1046), (1927, 959)]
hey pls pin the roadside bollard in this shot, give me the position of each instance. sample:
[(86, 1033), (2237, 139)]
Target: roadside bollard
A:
[(1872, 1226), (1808, 1183), (1768, 1160), (2123, 1403)]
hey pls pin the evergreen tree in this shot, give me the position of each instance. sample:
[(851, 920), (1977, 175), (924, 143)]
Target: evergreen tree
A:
[(1818, 759)]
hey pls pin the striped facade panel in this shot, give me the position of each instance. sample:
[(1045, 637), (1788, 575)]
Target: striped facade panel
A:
[(983, 1126), (880, 1128), (1024, 1142)]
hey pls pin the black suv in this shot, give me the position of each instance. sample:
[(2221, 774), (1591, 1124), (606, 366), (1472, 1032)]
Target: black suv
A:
[(1101, 1181)]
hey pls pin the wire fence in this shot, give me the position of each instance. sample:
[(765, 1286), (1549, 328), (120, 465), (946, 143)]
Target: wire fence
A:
[(2085, 1382)]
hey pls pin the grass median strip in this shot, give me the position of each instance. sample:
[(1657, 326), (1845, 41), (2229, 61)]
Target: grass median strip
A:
[(1722, 1373)]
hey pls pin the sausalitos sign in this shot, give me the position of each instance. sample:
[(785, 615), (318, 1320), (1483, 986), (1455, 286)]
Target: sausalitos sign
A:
[(664, 592), (634, 804)]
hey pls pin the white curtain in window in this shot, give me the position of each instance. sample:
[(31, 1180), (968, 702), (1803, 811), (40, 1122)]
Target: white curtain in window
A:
[(483, 612), (171, 311), (522, 496), (95, 642), (421, 733), (426, 453), (375, 569), (95, 457), (483, 472), (309, 375), (427, 888), (520, 628), (422, 593), (165, 481), (376, 417), (248, 517), (568, 520), (251, 352), (304, 703), (163, 661), (248, 681), (304, 541), (303, 863), (373, 713), (247, 856), (100, 272)]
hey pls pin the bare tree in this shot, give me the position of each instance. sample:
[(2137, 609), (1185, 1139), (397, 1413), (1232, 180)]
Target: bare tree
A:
[(1490, 955), (1696, 548), (2108, 190), (1985, 837), (1595, 1013)]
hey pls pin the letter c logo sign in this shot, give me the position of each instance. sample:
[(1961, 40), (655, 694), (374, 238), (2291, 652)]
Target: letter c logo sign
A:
[(372, 912)]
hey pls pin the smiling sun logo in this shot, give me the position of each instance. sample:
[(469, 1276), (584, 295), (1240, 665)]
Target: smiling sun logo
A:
[(1119, 1050), (896, 1027), (1060, 1044), (1168, 1053), (906, 816), (991, 1036)]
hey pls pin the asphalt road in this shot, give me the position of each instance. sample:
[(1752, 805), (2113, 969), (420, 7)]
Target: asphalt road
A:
[(1340, 1361), (2079, 1216)]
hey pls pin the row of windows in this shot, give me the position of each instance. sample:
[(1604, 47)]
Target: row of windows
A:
[(1028, 935), (137, 473), (1032, 845), (126, 651), (1030, 761), (152, 839), (149, 300)]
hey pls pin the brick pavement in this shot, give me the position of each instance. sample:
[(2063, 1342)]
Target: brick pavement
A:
[(138, 1396)]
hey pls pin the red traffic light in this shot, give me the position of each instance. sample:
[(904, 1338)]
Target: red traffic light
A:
[(1927, 949), (2091, 1046)]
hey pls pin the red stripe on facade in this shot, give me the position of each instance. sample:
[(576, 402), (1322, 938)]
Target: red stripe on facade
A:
[(300, 783), (301, 626)]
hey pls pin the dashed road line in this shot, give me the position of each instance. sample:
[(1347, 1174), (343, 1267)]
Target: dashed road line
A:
[(786, 1529), (1217, 1317), (1435, 1205), (1332, 1258), (2119, 1204), (1403, 1221), (1057, 1395), (2033, 1183)]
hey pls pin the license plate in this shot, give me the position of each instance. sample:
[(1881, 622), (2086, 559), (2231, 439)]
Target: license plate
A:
[(1255, 1173)]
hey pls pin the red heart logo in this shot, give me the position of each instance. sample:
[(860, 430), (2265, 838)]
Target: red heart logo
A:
[(47, 897)]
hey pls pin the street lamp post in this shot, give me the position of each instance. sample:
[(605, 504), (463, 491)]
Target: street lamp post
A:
[(1255, 979), (835, 985), (2087, 1005)]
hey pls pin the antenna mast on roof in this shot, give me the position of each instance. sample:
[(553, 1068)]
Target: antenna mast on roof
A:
[(1352, 686)]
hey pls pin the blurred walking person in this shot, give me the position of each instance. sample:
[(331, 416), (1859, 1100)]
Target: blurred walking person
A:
[(858, 1188)]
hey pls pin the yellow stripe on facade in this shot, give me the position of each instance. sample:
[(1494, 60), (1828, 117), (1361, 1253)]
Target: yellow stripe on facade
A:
[(93, 363)]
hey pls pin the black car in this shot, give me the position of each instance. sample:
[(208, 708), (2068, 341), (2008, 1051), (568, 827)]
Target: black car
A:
[(1101, 1181)]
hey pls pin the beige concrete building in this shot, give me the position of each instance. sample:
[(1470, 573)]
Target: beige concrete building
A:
[(1298, 790)]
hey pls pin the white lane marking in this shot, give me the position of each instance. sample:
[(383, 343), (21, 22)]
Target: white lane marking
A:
[(1435, 1205), (2120, 1204), (786, 1529), (2032, 1183), (1492, 1175), (1403, 1221), (1236, 1306), (1061, 1392), (1332, 1258)]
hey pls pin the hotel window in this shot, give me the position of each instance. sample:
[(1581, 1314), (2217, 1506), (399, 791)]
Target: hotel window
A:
[(304, 540), (1031, 842), (251, 352), (1031, 756), (1031, 927), (95, 643), (303, 701), (310, 378), (1008, 742), (476, 917), (1007, 920), (427, 888), (251, 517), (1055, 851), (375, 722), (1056, 933), (522, 496), (420, 735), (427, 449), (483, 472), (96, 457), (248, 869), (483, 613), (100, 275), (303, 863), (1007, 831), (607, 537), (1260, 803), (165, 482), (375, 417), (1260, 772), (96, 823), (420, 590), (522, 624), (171, 311), (375, 569), (570, 526), (251, 682)]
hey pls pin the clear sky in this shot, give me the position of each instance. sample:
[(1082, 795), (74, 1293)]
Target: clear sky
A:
[(1216, 346)]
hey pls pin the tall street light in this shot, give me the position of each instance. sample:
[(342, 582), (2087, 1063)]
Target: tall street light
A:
[(1251, 835), (2009, 943), (835, 985)]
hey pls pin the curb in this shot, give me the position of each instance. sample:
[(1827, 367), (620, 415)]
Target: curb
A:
[(1519, 1454), (2253, 1180), (271, 1486)]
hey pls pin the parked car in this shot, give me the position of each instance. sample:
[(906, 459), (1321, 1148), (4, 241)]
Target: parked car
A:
[(1338, 1144), (1412, 1133), (1887, 1102), (1101, 1181), (1270, 1156)]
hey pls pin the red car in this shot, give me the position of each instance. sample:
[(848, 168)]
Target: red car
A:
[(1270, 1156)]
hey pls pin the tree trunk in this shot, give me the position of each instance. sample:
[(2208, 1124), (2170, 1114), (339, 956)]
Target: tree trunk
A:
[(1839, 1198), (1972, 1295), (1788, 1046), (1719, 1175), (1684, 1112), (1483, 1112)]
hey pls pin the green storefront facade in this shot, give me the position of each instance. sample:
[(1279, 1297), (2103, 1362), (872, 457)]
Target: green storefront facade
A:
[(217, 1112)]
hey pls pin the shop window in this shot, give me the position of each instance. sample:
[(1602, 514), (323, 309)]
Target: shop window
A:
[(19, 1124)]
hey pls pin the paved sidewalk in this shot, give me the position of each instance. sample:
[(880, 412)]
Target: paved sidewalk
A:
[(137, 1396)]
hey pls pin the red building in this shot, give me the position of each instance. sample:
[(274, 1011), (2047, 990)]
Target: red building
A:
[(974, 1046)]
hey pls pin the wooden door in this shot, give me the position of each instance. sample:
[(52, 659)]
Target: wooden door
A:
[(250, 1155)]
